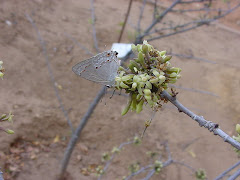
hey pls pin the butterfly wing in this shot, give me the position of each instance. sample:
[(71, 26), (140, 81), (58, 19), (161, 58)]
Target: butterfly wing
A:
[(101, 68)]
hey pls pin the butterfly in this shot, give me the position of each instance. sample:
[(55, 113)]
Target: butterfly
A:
[(101, 68)]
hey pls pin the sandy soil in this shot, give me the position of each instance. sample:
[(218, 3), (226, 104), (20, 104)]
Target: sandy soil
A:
[(35, 151)]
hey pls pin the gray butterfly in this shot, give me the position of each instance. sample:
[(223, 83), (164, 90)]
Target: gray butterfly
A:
[(102, 68)]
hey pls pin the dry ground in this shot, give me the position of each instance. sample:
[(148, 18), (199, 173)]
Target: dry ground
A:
[(35, 152)]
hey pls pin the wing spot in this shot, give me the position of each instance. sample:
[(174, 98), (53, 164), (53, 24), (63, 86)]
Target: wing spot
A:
[(108, 54)]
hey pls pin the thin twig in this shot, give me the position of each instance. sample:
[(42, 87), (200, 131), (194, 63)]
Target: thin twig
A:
[(200, 23), (227, 171), (78, 44), (44, 51), (212, 127), (93, 27), (193, 57), (125, 21), (140, 16), (113, 156), (157, 20), (194, 90), (235, 175)]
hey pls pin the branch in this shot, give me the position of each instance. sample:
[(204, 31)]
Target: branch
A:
[(78, 44), (140, 16), (212, 127), (113, 156), (227, 171), (194, 90), (193, 57), (198, 24), (44, 51), (1, 177), (125, 21), (235, 175), (157, 20), (78, 131), (93, 27)]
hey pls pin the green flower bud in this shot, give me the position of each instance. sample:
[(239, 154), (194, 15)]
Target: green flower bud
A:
[(148, 85), (167, 58), (154, 80), (1, 63), (139, 90), (115, 150), (127, 77), (174, 69), (1, 75), (173, 75), (238, 128), (134, 102), (161, 77), (141, 58), (162, 53), (138, 97), (118, 79), (9, 131), (134, 85), (139, 47), (144, 79), (121, 68), (179, 76), (134, 48), (139, 106), (123, 85), (132, 65), (172, 80), (147, 92), (145, 48), (126, 109), (147, 97), (156, 73)]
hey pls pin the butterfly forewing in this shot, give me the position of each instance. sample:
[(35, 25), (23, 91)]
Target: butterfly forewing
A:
[(101, 68)]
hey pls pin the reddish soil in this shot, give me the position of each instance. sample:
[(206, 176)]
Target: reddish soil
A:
[(41, 134)]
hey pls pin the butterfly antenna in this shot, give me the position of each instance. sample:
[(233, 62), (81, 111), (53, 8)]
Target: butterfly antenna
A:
[(148, 123)]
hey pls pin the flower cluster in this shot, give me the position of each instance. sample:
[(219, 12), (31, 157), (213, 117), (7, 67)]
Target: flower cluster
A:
[(146, 77)]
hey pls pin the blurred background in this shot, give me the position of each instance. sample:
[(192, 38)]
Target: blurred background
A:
[(209, 87)]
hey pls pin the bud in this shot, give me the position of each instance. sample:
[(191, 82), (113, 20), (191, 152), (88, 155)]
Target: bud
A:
[(118, 79), (162, 53), (127, 77), (9, 131), (145, 48), (126, 109), (154, 80), (1, 63), (174, 69), (173, 75), (141, 58), (156, 73), (144, 79), (134, 48), (1, 75), (147, 92), (123, 85), (238, 128), (148, 85), (134, 85), (167, 58), (139, 106)]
